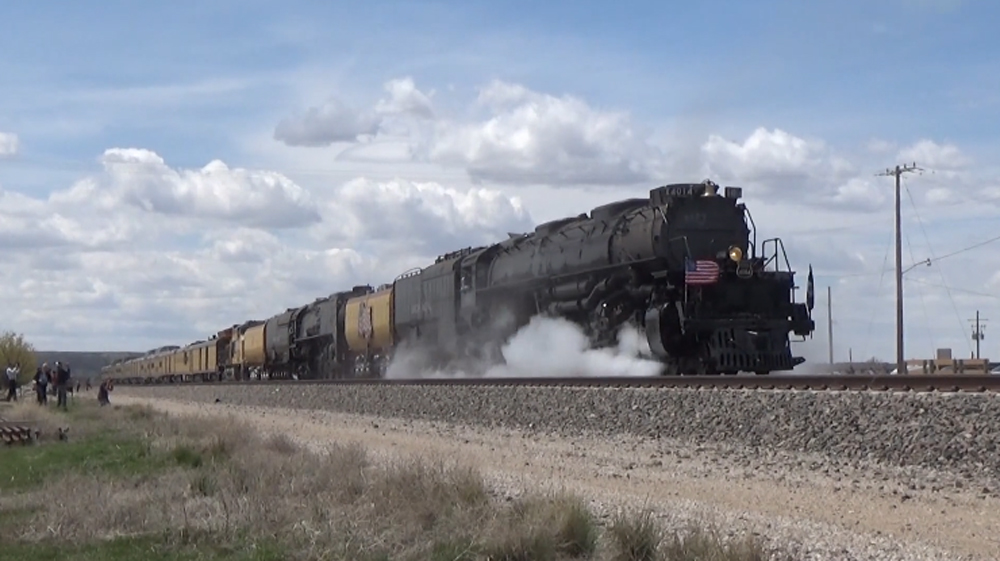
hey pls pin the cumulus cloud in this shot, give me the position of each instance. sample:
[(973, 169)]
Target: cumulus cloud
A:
[(151, 255), (406, 99), (422, 216), (336, 122), (333, 121), (532, 137), (522, 136), (860, 194), (27, 223), (927, 153), (9, 144), (777, 163), (764, 155), (142, 179)]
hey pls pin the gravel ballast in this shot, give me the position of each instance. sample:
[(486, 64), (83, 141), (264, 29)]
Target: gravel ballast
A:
[(952, 433)]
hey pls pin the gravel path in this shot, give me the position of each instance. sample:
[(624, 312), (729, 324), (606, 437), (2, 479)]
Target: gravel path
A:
[(843, 505)]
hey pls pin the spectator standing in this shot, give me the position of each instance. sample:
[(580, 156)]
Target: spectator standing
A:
[(51, 376), (103, 393), (62, 383), (42, 381), (13, 371)]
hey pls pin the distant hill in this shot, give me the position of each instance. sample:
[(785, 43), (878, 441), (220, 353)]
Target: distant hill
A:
[(82, 364)]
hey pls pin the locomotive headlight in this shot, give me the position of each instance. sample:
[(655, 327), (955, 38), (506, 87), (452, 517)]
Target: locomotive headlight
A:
[(736, 254)]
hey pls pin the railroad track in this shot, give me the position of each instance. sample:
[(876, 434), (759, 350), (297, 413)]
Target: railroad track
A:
[(882, 382)]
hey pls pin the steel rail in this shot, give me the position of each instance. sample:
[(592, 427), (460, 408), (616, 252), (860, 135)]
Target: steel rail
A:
[(879, 382)]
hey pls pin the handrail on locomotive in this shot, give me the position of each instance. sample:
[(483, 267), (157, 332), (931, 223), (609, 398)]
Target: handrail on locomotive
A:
[(752, 226), (779, 251)]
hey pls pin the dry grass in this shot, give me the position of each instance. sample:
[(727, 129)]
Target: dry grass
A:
[(218, 487)]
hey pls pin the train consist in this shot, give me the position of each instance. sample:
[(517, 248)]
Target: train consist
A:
[(682, 265)]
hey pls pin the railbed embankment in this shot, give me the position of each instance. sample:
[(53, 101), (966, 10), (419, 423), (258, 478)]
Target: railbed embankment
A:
[(955, 435)]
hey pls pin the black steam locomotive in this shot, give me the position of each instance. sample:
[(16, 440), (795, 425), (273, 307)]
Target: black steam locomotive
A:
[(682, 265)]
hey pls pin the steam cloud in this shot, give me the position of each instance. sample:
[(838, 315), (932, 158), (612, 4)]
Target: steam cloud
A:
[(545, 348)]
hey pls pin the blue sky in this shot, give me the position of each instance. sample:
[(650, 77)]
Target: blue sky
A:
[(843, 70), (856, 84)]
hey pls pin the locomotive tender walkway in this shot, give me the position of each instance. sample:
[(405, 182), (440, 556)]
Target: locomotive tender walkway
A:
[(834, 382)]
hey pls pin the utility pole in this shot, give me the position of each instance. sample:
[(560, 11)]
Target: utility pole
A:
[(829, 322), (900, 358), (977, 331)]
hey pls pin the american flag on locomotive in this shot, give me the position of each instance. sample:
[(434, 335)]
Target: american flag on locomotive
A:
[(701, 271)]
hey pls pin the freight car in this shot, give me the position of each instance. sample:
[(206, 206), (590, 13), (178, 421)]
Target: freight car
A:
[(683, 265)]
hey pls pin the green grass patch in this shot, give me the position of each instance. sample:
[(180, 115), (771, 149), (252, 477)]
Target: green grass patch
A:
[(146, 548), (25, 467)]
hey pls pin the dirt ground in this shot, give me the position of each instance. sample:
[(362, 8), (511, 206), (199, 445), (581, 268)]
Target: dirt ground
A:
[(823, 513)]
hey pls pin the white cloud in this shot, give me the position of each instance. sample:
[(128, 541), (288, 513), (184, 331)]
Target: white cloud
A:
[(929, 154), (531, 137), (521, 136), (336, 122), (421, 216), (332, 122), (940, 196), (860, 194), (149, 255), (777, 163), (763, 155), (27, 223), (9, 144), (406, 99), (141, 178)]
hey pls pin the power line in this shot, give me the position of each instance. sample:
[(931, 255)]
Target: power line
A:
[(923, 302), (953, 288), (971, 247), (915, 263), (940, 272), (878, 291)]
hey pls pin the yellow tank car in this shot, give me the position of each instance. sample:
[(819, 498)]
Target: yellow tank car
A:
[(248, 352), (368, 323), (253, 346)]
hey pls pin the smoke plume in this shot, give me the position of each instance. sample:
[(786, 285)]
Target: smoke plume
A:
[(544, 348)]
